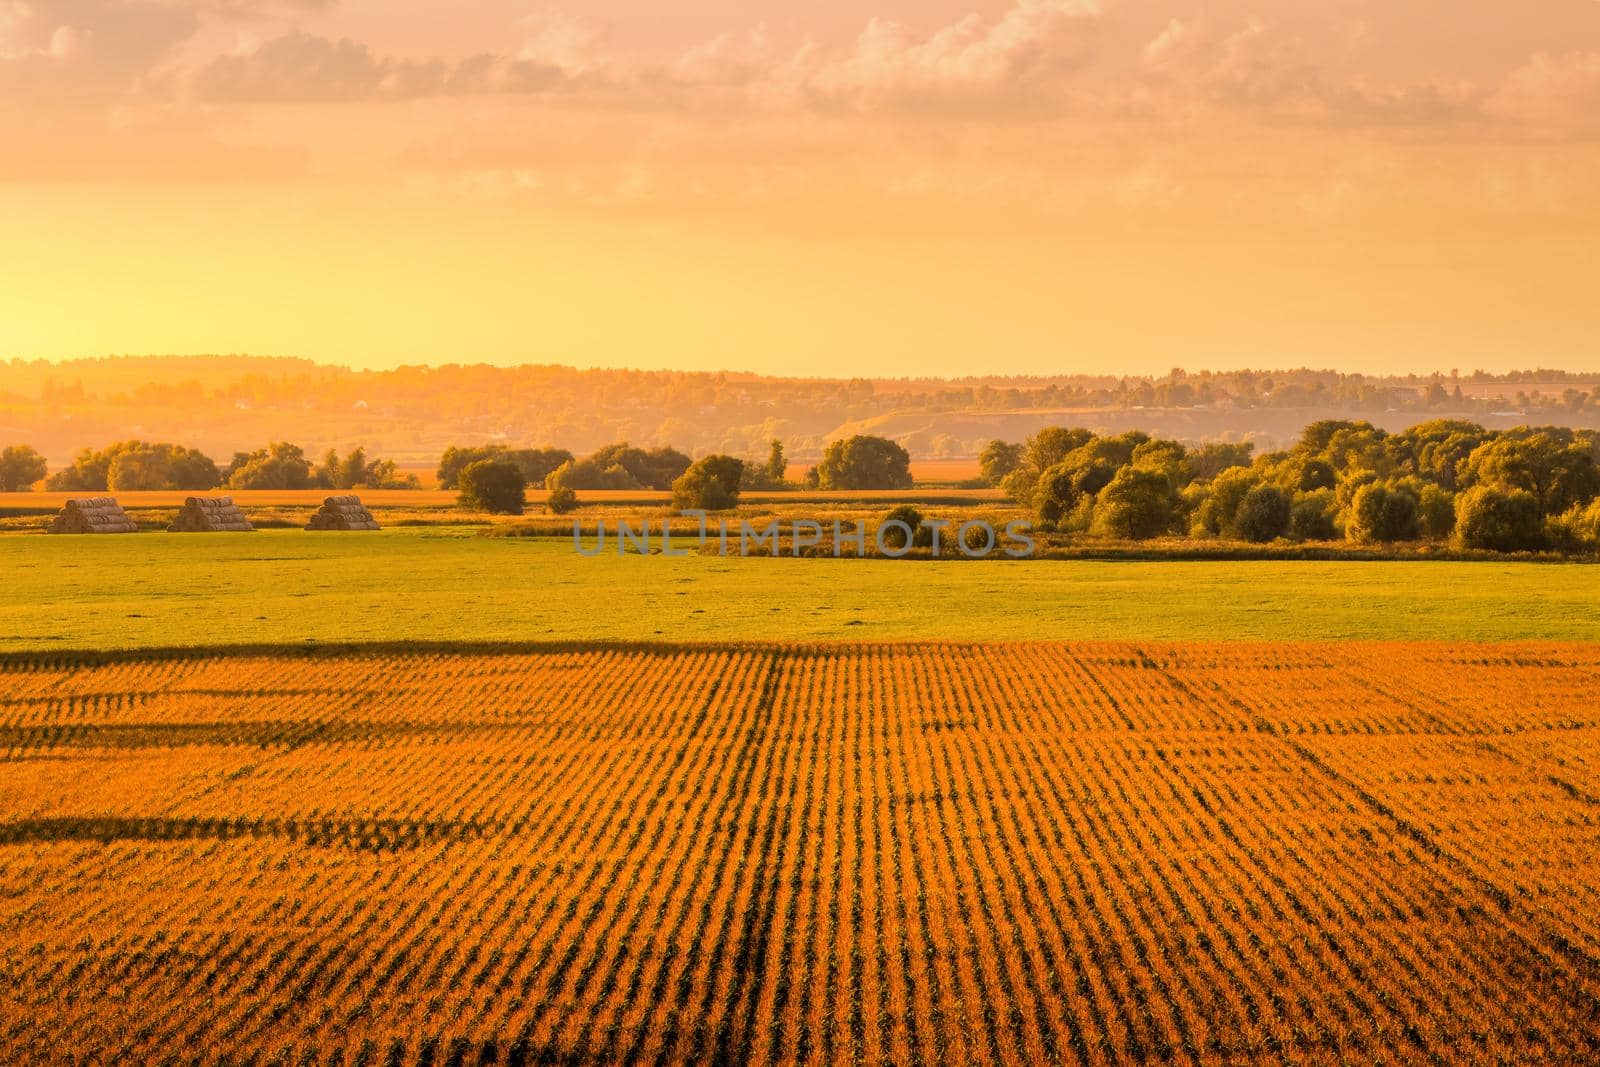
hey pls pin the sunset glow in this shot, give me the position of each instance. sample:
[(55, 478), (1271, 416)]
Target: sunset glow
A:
[(937, 187)]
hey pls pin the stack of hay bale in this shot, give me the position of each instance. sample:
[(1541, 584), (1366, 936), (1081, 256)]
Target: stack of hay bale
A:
[(343, 513), (210, 515), (98, 514)]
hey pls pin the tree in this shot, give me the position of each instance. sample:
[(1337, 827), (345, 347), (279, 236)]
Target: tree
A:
[(146, 466), (1436, 511), (1216, 513), (710, 484), (493, 485), (1314, 516), (1264, 514), (998, 459), (1499, 519), (1051, 445), (278, 466), (1138, 504), (139, 468), (562, 501), (777, 462), (1559, 473), (535, 463), (356, 472), (20, 467), (864, 462), (1382, 514), (1168, 457), (1210, 460)]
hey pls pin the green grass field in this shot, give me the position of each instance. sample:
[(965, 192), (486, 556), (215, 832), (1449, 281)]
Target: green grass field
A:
[(290, 586)]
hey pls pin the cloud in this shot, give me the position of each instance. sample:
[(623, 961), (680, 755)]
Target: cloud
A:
[(1553, 95), (1257, 71), (1021, 58), (300, 68)]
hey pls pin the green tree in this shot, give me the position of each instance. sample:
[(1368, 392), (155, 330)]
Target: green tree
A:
[(278, 466), (139, 468), (1051, 445), (777, 463), (1559, 472), (150, 466), (1215, 514), (493, 485), (1137, 504), (1314, 516), (864, 462), (1500, 519), (1436, 511), (1210, 460), (1382, 514), (535, 463), (20, 467), (998, 459), (710, 484), (1264, 514)]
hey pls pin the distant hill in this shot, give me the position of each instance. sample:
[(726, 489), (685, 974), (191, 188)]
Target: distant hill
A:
[(223, 404)]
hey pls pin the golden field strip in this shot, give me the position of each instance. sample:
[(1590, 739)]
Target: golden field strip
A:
[(901, 853)]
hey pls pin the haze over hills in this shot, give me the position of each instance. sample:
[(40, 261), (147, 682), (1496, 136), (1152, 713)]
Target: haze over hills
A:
[(223, 404)]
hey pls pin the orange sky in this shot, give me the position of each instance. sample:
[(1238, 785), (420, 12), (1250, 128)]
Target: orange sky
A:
[(940, 186)]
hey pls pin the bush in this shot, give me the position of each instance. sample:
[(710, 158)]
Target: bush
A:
[(1381, 514), (1503, 520), (894, 537), (1314, 517), (1264, 514), (1579, 528), (561, 501), (1136, 505), (493, 485), (20, 467)]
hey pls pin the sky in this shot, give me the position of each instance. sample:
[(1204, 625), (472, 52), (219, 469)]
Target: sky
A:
[(938, 187)]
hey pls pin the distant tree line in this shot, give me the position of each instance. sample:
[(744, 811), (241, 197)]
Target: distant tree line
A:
[(1515, 490), (141, 465)]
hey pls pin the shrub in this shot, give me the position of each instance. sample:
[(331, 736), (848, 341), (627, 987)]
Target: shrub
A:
[(561, 501), (894, 537), (1264, 514), (493, 485), (1504, 520), (1381, 514)]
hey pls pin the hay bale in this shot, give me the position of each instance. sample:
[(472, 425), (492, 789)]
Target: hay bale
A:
[(342, 513), (98, 514), (210, 515)]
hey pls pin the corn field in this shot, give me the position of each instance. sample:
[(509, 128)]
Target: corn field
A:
[(908, 854)]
